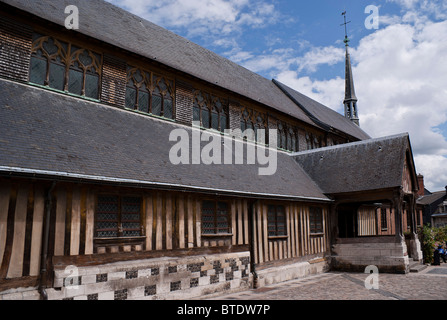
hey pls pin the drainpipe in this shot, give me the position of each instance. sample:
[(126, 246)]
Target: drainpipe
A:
[(45, 241), (252, 245)]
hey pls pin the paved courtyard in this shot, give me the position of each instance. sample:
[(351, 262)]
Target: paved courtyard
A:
[(428, 284)]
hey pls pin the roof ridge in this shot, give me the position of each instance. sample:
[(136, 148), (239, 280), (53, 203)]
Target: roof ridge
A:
[(351, 144)]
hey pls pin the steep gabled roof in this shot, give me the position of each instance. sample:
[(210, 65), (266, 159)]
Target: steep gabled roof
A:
[(359, 166), (57, 136), (110, 24), (322, 115)]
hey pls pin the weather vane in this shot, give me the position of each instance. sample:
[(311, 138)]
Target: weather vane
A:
[(346, 29)]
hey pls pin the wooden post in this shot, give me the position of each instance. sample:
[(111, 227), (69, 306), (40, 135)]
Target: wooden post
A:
[(397, 202), (18, 246), (37, 230), (5, 191)]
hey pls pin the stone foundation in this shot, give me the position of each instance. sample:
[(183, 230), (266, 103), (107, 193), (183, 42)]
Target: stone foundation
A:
[(152, 279), (277, 274), (357, 254)]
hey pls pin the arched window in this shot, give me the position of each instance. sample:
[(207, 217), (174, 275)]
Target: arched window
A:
[(255, 121), (210, 111), (149, 93), (62, 66)]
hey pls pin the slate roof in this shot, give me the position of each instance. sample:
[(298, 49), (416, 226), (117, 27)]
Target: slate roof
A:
[(56, 135), (319, 113), (359, 166), (431, 198), (108, 23)]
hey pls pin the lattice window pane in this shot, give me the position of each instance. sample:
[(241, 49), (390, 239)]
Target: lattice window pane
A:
[(215, 120), (75, 82), (223, 122), (316, 220), (92, 86), (143, 101), (131, 95), (107, 216), (196, 114), (208, 217), (205, 118), (130, 216), (156, 105), (168, 111), (50, 46), (57, 73), (222, 217), (38, 71)]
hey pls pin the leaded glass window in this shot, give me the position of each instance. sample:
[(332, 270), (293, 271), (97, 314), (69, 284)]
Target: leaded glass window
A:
[(210, 112), (215, 217), (65, 67), (254, 120), (287, 137), (316, 220), (149, 93), (276, 221), (118, 216)]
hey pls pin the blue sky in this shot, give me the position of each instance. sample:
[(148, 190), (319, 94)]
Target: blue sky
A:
[(400, 68)]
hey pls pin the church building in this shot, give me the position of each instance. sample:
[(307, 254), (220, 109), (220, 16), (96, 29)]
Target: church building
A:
[(135, 164)]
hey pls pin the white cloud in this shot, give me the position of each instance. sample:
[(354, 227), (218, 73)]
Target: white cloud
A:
[(400, 77), (203, 18)]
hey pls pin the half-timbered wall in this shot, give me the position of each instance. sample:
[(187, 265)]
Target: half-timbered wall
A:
[(298, 242)]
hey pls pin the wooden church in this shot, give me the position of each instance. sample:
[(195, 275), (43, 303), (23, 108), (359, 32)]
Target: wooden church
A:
[(92, 206)]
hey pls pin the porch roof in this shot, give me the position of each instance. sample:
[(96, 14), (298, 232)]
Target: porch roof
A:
[(359, 166)]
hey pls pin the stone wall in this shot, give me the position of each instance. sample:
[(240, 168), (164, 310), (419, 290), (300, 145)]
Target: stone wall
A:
[(294, 270), (388, 256), (154, 279)]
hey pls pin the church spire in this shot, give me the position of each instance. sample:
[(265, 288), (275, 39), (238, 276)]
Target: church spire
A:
[(350, 101)]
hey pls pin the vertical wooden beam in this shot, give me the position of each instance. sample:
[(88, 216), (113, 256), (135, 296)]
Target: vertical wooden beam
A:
[(190, 223), (265, 231), (37, 230), (296, 218), (169, 222), (18, 246), (149, 216), (89, 222), (289, 230), (259, 226), (5, 191), (245, 209), (239, 222), (59, 236), (181, 222), (75, 233), (198, 223), (159, 227), (233, 222), (254, 233)]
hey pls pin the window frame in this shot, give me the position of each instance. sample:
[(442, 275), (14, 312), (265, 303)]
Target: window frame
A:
[(208, 104), (119, 229), (215, 216), (151, 82), (67, 55), (316, 227), (277, 233)]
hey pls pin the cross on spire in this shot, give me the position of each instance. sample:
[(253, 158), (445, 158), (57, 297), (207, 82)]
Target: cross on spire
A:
[(346, 29)]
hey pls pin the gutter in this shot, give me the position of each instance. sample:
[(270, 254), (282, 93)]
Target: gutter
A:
[(45, 241)]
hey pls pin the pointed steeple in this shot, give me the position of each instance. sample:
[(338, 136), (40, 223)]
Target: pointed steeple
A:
[(350, 101)]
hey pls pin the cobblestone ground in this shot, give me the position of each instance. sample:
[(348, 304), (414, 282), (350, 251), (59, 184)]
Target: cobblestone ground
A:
[(429, 284)]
